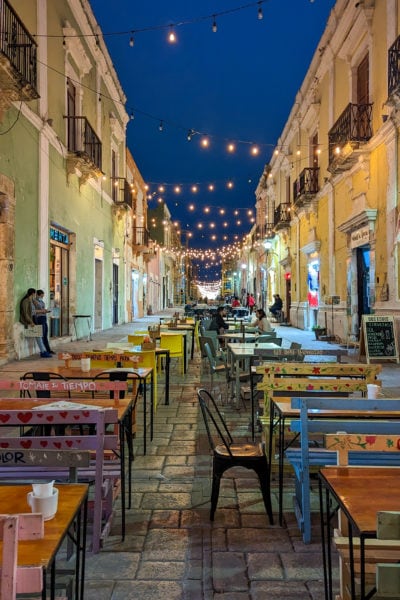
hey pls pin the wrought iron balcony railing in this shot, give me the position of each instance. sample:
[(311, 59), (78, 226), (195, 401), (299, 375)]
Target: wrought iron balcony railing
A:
[(282, 215), (83, 141), (266, 230), (19, 47), (122, 191), (306, 184), (394, 68), (141, 237), (353, 125)]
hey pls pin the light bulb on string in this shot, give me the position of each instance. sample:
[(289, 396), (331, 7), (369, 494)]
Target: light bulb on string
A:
[(172, 36), (231, 147), (131, 41), (214, 25), (161, 126), (205, 142)]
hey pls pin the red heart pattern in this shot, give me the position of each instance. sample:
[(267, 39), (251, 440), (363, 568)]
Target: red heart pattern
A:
[(4, 418), (24, 417)]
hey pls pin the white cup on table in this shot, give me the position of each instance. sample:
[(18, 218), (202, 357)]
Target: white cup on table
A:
[(85, 364), (373, 390), (45, 505)]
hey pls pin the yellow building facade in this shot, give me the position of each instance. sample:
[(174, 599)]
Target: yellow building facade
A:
[(327, 236)]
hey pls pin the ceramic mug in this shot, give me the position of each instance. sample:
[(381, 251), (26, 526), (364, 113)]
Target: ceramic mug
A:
[(45, 506), (85, 364)]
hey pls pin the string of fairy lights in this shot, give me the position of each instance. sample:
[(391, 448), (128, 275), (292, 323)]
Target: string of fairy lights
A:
[(227, 220)]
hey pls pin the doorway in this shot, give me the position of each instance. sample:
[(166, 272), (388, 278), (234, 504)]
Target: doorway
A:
[(134, 293), (115, 294), (98, 294), (59, 288), (363, 282)]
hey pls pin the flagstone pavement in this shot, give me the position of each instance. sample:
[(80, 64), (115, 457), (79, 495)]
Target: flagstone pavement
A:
[(171, 550)]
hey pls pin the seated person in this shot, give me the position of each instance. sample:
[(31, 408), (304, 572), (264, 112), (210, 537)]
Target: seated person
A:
[(235, 302), (218, 322), (276, 306), (261, 322)]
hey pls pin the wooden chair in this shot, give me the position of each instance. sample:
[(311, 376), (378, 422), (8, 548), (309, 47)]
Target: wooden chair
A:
[(228, 454), (19, 580)]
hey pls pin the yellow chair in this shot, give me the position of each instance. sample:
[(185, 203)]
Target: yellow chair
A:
[(136, 338), (147, 360), (174, 343)]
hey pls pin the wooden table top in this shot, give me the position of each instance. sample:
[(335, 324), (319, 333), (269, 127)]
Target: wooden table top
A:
[(41, 552), (363, 491), (283, 405)]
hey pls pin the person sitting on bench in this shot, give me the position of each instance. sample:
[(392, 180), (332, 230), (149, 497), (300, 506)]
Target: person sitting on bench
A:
[(276, 308)]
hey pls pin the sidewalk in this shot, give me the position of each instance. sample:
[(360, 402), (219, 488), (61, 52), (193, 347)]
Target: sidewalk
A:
[(172, 551)]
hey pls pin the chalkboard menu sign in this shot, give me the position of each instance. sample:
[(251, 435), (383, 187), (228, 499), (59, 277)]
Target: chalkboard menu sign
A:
[(378, 338)]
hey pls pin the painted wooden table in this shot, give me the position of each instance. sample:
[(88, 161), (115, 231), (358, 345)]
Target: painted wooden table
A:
[(72, 508), (360, 494)]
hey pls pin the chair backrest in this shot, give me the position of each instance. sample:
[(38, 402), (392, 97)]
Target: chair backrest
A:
[(172, 342), (23, 580), (212, 340), (136, 339), (44, 376), (267, 337), (295, 346), (119, 374), (210, 356), (214, 422), (347, 442)]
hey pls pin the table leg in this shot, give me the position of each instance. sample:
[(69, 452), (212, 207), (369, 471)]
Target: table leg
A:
[(192, 352), (143, 383), (152, 406), (184, 354), (167, 365)]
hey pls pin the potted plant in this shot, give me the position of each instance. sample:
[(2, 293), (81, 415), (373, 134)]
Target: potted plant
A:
[(319, 331)]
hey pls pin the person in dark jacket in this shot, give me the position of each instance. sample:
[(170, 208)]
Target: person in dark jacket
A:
[(218, 322), (276, 306)]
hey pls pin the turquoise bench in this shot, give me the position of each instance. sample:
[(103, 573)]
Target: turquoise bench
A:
[(387, 422)]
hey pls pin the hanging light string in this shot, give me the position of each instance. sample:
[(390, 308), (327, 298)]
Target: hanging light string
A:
[(131, 32)]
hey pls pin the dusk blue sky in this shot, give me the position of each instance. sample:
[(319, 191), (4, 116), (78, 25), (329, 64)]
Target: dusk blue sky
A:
[(237, 85)]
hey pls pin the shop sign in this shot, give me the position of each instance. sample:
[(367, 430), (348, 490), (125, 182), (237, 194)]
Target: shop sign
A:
[(359, 237)]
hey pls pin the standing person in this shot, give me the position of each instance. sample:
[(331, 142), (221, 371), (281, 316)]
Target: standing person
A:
[(261, 322), (41, 318), (27, 318), (251, 302)]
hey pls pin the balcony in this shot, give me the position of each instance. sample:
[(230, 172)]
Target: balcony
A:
[(282, 216), (265, 231), (18, 65), (84, 149), (306, 186), (141, 241), (353, 127), (122, 192), (394, 72)]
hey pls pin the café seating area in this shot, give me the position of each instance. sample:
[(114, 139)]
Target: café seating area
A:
[(157, 518)]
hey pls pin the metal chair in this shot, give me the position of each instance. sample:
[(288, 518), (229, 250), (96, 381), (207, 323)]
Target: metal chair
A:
[(228, 454)]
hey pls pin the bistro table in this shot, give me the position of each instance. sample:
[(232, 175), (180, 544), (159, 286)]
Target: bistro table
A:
[(72, 508), (360, 493), (243, 351), (281, 413)]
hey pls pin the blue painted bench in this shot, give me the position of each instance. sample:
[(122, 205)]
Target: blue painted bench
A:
[(370, 417)]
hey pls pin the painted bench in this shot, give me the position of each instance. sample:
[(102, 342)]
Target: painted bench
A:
[(20, 461), (19, 580), (366, 416), (287, 379)]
